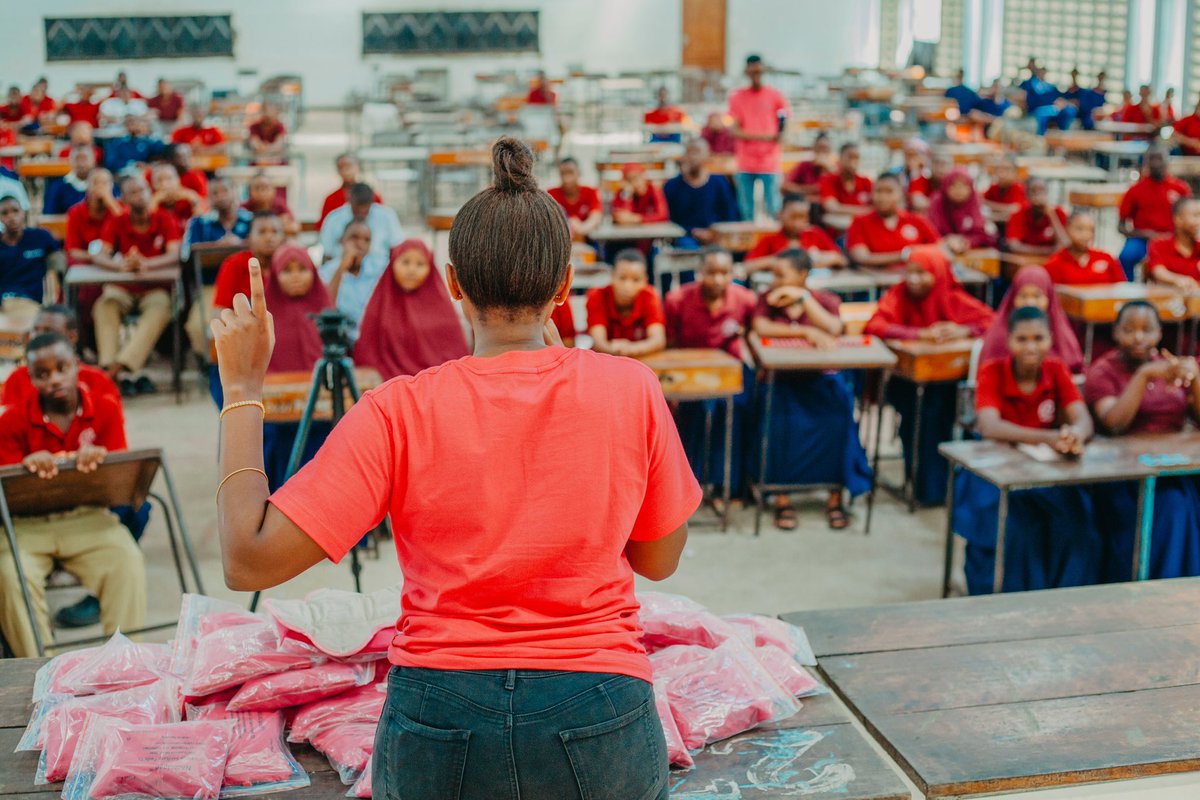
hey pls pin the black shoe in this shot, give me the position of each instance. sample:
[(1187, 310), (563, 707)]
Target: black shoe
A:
[(128, 387), (145, 386), (84, 613)]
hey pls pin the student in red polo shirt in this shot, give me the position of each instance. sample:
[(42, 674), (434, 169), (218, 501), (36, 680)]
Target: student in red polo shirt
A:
[(202, 138), (640, 200), (1175, 260), (61, 320), (626, 318), (1146, 209), (80, 134), (350, 171), (233, 278), (880, 238), (845, 191), (796, 231), (85, 220), (141, 240), (582, 204), (64, 419), (541, 93), (1080, 264), (268, 137), (37, 105), (915, 174), (1051, 538), (805, 177), (167, 104), (1006, 195), (11, 110), (172, 195), (1186, 134), (1040, 227)]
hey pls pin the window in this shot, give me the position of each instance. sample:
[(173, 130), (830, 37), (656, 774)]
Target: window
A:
[(1062, 34), (950, 49)]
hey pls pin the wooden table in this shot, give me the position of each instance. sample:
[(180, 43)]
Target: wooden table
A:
[(741, 237), (1126, 128), (659, 232), (1097, 195), (55, 223), (872, 281), (855, 316), (48, 168), (1185, 166), (14, 333), (1100, 304), (1021, 691), (1075, 141), (285, 394), (694, 374), (774, 355)]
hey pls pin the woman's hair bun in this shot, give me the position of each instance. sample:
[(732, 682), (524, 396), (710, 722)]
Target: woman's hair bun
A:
[(512, 164)]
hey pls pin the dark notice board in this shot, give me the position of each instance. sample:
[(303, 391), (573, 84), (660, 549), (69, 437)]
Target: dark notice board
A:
[(126, 38), (423, 32)]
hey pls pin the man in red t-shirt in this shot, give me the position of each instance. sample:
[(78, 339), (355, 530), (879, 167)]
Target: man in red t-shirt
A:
[(64, 422), (760, 114), (626, 318), (796, 231), (582, 204), (233, 278), (350, 171), (141, 240), (1145, 210), (1080, 264), (541, 94), (167, 104), (882, 237), (1175, 260)]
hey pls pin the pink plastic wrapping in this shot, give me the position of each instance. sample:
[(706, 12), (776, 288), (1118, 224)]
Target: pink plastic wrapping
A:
[(669, 619), (722, 694), (759, 630), (362, 786), (357, 705), (676, 751), (200, 615), (348, 747), (259, 760), (300, 686), (115, 665), (786, 671), (179, 761), (231, 655), (47, 679)]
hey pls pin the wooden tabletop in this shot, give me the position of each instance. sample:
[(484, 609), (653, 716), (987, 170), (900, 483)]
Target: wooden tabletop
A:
[(1111, 126), (1068, 172), (286, 393), (80, 274), (1125, 148), (696, 373), (441, 219), (796, 355), (929, 362), (1101, 303), (1008, 467), (609, 232), (55, 223), (1026, 690), (50, 168), (740, 237), (1097, 195), (1075, 141), (1185, 166)]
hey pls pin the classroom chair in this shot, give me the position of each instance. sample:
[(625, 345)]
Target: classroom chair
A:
[(965, 402)]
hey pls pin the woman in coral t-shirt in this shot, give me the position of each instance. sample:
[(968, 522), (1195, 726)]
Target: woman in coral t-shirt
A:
[(518, 579)]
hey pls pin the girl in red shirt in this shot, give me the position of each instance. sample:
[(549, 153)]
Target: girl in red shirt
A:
[(1006, 195), (1032, 288), (518, 584), (626, 318), (1175, 260), (1079, 264)]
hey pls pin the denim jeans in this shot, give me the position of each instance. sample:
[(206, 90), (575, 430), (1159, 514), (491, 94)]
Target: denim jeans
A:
[(744, 183), (518, 735)]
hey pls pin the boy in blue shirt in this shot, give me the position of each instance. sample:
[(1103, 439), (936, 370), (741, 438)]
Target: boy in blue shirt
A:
[(696, 199), (23, 254)]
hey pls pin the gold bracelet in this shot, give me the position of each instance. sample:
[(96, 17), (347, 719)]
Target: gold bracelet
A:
[(221, 485), (243, 404)]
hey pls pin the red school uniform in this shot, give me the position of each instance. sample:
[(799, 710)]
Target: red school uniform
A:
[(832, 187), (581, 207), (24, 429), (996, 387), (268, 133), (65, 152), (83, 111), (828, 300), (195, 180), (336, 199), (1164, 407), (1024, 227), (233, 278), (198, 136), (1189, 126), (541, 97), (667, 115), (11, 112), (18, 387), (83, 228), (811, 238), (906, 230), (1147, 204), (122, 235), (806, 173), (1164, 252), (690, 323), (1098, 267), (168, 108), (489, 583), (651, 204), (634, 326), (919, 185), (44, 106), (1013, 194)]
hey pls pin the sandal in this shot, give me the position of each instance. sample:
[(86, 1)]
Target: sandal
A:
[(838, 519), (785, 518)]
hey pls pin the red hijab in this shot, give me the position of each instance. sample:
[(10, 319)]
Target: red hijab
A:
[(297, 343), (964, 218), (403, 332), (947, 301), (1064, 344)]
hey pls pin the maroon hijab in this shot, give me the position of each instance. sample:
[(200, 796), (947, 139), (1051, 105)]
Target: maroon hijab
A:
[(403, 332), (964, 218), (297, 343), (1063, 342)]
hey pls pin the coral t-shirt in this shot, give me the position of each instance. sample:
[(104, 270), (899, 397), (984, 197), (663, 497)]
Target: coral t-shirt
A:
[(508, 563), (757, 111)]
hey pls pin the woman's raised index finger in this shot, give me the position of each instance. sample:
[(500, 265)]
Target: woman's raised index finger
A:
[(258, 297)]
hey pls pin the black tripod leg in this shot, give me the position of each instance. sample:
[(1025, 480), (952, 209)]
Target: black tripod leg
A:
[(306, 419)]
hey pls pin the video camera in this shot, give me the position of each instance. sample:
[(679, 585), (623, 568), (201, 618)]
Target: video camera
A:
[(334, 328)]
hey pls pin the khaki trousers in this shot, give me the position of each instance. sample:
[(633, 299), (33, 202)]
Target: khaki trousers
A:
[(110, 310), (197, 323), (91, 544)]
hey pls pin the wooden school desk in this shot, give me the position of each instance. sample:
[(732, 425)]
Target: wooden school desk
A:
[(1130, 152), (774, 355), (14, 332), (855, 316), (741, 237), (659, 232), (286, 393), (1075, 141), (1126, 128), (1057, 175), (690, 374), (1100, 304), (55, 223), (1028, 690)]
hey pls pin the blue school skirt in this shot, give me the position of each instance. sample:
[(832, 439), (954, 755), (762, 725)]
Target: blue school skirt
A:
[(1175, 537), (278, 438), (1051, 540), (937, 426), (690, 420), (814, 437)]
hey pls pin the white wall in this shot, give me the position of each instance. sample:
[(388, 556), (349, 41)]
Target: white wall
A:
[(322, 40)]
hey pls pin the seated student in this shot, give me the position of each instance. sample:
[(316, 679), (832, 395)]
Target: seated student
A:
[(142, 239), (716, 131), (11, 185), (23, 258), (814, 437), (1039, 227), (991, 106), (349, 169), (120, 106), (1051, 537), (931, 306), (362, 205), (1032, 288), (65, 417), (795, 232), (696, 199), (1186, 133), (171, 195), (879, 239), (1142, 112), (167, 104), (352, 276), (180, 157), (563, 320), (845, 191), (964, 95), (1175, 260), (225, 223), (82, 109), (80, 134), (69, 190), (1147, 211), (410, 323), (626, 317), (11, 111), (262, 197), (135, 149), (540, 93), (665, 114), (805, 177), (1139, 388), (267, 137), (640, 200), (956, 213), (1045, 103), (915, 176), (85, 220), (39, 106), (200, 137), (121, 84), (8, 138), (1080, 264), (582, 204), (233, 278), (713, 312), (1006, 195)]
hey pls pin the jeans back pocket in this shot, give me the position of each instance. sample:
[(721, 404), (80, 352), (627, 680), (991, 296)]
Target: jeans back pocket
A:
[(419, 762), (621, 759)]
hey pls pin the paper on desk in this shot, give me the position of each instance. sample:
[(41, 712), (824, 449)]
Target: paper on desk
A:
[(1040, 452)]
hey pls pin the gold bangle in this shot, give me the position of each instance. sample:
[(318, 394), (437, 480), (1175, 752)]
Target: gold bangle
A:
[(221, 485), (243, 404)]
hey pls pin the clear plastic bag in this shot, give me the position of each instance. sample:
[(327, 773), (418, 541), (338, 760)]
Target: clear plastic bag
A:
[(348, 746), (67, 716), (786, 671), (46, 681), (178, 761), (677, 753), (233, 654), (669, 619), (259, 761), (362, 786), (300, 686), (357, 705), (200, 615), (757, 630)]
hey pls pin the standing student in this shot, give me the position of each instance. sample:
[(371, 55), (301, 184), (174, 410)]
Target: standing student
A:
[(582, 204), (1186, 133), (845, 191), (167, 105), (1039, 228), (1032, 288), (526, 609), (881, 237), (410, 323), (170, 194), (68, 190), (1051, 537), (814, 436), (626, 317), (349, 169), (352, 276), (24, 254), (805, 177), (267, 137), (1175, 260), (1146, 210), (931, 306), (760, 114), (956, 213), (1006, 195), (1080, 264), (697, 200), (796, 232), (362, 206), (1140, 388)]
